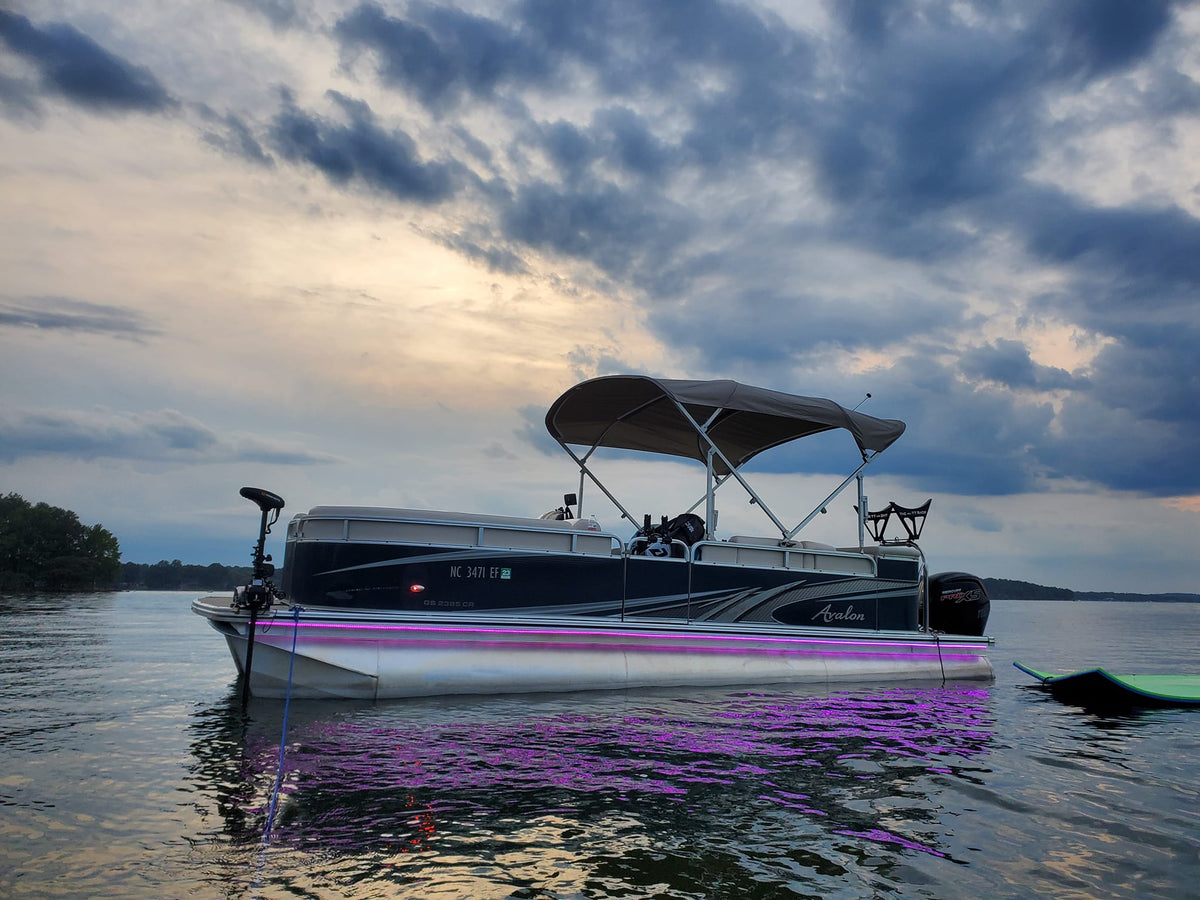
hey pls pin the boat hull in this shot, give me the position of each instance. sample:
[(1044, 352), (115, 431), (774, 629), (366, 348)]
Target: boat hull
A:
[(385, 655)]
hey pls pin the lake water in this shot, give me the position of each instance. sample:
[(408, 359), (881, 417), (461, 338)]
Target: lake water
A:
[(127, 769)]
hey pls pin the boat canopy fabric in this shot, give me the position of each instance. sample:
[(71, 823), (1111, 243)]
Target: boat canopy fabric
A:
[(637, 412)]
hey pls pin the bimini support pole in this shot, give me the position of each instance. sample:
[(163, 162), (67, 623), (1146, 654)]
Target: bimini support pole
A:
[(710, 507), (584, 470), (820, 508), (862, 514), (715, 451)]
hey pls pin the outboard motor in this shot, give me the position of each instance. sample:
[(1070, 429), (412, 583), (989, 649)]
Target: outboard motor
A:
[(687, 528), (958, 604), (662, 540)]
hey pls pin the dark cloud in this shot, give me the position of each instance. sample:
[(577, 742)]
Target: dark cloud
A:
[(1095, 37), (622, 232), (948, 113), (867, 21), (18, 99), (1130, 425), (569, 148), (1153, 372), (632, 144), (1009, 363), (232, 136), (962, 437), (160, 435), (1146, 246), (282, 14), (68, 315), (441, 54), (532, 431), (74, 66), (497, 451), (359, 149), (647, 49), (495, 257), (976, 520), (773, 328), (1124, 448)]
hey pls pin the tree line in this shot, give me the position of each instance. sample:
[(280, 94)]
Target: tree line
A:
[(178, 576), (44, 547), (47, 548)]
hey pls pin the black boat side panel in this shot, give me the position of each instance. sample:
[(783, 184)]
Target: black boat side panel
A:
[(440, 579)]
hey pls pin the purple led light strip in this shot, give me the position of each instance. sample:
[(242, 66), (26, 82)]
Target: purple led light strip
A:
[(554, 632)]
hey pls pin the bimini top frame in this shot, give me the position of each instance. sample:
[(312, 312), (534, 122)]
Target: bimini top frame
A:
[(723, 424)]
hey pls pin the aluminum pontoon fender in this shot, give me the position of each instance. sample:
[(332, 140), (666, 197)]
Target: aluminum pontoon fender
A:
[(369, 655)]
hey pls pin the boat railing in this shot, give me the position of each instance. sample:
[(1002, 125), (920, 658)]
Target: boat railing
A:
[(772, 553)]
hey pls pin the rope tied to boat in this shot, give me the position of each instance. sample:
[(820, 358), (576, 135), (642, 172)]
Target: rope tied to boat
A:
[(287, 702), (937, 641)]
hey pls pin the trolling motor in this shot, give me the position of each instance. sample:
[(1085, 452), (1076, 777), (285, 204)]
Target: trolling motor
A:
[(260, 593)]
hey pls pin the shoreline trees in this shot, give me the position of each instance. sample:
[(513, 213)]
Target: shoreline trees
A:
[(44, 547)]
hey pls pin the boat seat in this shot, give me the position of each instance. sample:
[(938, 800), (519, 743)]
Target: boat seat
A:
[(892, 550), (433, 527), (439, 515), (779, 542)]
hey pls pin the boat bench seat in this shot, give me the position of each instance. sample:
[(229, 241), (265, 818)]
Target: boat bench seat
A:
[(772, 553), (894, 550), (413, 526), (778, 542)]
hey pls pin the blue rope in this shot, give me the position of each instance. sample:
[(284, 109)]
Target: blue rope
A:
[(283, 737)]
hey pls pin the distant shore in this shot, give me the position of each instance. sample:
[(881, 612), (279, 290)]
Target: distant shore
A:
[(1007, 589)]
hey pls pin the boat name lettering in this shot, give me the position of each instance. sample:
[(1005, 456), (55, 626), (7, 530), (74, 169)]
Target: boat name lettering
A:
[(503, 573), (846, 615)]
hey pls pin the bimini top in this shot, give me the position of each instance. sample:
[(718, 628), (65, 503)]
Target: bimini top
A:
[(636, 412)]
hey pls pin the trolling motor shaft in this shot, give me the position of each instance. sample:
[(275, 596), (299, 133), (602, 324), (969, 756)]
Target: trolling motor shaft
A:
[(260, 593)]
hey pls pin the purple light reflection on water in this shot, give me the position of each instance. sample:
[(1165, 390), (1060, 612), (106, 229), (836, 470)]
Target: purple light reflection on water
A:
[(392, 777), (884, 837)]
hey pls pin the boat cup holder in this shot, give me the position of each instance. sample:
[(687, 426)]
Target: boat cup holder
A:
[(912, 520)]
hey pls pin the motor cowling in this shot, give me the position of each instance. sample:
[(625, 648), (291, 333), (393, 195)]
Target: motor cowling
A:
[(958, 604), (688, 528), (664, 539)]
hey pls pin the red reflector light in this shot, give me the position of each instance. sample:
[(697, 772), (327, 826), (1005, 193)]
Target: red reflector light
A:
[(416, 588)]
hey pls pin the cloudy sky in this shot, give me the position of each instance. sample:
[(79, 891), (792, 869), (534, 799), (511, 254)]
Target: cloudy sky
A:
[(351, 251)]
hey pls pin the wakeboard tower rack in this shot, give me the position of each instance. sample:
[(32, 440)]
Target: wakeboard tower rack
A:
[(912, 519)]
